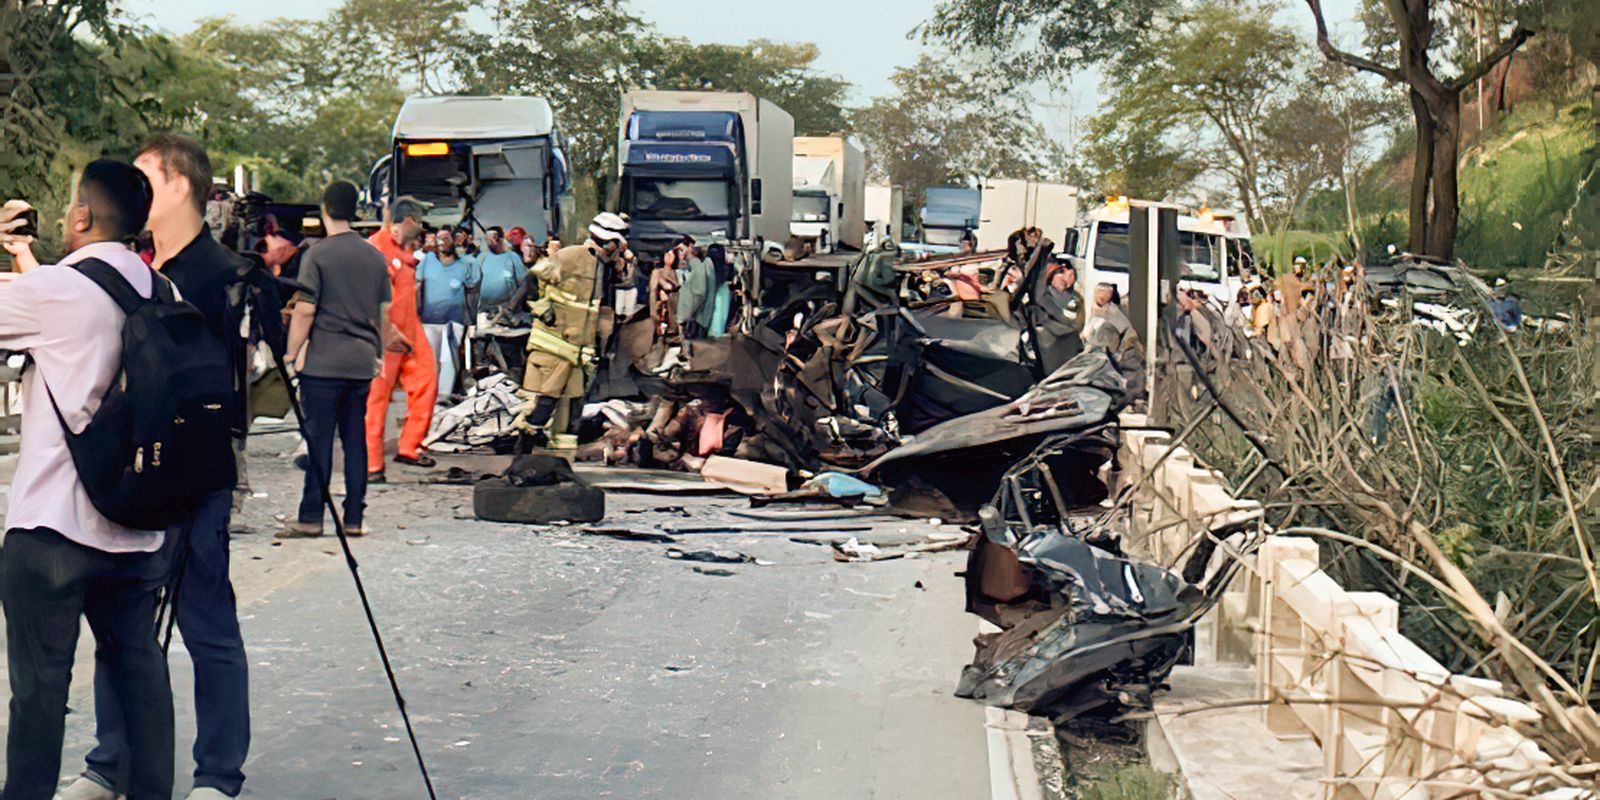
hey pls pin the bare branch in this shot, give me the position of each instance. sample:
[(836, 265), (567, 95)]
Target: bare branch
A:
[(1348, 59), (1482, 68)]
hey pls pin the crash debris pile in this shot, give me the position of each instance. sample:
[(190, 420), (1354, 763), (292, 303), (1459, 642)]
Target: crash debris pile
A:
[(1085, 627)]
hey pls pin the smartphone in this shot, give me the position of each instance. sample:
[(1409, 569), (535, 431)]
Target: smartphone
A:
[(30, 224)]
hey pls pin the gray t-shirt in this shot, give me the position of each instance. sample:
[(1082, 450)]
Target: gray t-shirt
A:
[(348, 282)]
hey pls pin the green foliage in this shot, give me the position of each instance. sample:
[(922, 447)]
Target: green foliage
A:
[(1134, 782), (1032, 39), (1277, 250), (947, 123), (780, 72), (1517, 185)]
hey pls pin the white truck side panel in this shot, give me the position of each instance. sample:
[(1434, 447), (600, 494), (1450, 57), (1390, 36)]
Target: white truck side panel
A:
[(886, 204), (1012, 204), (771, 135)]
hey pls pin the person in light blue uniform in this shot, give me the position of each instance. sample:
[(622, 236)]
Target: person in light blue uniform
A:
[(501, 270), (443, 278)]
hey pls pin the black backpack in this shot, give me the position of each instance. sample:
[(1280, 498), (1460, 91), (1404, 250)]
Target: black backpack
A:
[(162, 437)]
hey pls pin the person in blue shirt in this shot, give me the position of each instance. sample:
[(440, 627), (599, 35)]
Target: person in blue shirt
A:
[(502, 272), (443, 278)]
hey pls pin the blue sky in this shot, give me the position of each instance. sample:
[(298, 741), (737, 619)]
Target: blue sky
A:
[(863, 41)]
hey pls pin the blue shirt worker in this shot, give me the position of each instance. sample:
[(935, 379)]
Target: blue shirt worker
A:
[(443, 278), (501, 270)]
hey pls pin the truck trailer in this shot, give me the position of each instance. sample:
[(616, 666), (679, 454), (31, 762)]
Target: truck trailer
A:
[(1009, 205), (481, 161), (885, 213), (706, 164), (830, 179), (949, 215)]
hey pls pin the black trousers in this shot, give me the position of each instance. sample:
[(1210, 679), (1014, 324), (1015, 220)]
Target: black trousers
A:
[(46, 583), (333, 405)]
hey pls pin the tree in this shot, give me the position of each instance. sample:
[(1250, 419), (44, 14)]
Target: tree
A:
[(1029, 39), (412, 41), (948, 124), (1216, 71), (1135, 157), (1435, 108), (782, 73), (580, 55)]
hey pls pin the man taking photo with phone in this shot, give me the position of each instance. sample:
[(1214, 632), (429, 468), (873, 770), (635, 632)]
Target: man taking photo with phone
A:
[(62, 558), (206, 274)]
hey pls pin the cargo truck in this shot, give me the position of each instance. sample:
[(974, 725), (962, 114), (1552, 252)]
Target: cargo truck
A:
[(707, 164), (885, 213), (1009, 205), (830, 179), (482, 161), (949, 215)]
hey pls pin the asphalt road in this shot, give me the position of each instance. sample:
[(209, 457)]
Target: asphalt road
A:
[(542, 663)]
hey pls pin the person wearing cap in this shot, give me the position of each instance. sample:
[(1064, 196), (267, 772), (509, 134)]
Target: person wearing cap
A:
[(561, 339), (408, 359)]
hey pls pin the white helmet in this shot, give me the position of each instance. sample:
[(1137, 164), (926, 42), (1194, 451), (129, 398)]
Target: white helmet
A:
[(608, 227)]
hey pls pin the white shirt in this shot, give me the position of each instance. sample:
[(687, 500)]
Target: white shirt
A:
[(73, 331)]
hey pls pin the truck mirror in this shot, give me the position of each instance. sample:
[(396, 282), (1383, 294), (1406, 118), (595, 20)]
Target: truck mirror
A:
[(755, 195)]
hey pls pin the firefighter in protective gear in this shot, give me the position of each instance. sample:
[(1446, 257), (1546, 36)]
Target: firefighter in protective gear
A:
[(563, 336)]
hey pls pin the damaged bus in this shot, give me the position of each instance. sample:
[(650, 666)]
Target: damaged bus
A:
[(482, 161)]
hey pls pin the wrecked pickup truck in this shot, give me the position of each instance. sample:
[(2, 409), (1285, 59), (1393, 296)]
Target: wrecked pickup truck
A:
[(1086, 628)]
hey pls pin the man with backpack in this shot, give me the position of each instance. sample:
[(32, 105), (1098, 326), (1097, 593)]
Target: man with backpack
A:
[(207, 276), (63, 557)]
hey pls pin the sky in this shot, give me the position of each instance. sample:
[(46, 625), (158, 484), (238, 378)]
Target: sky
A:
[(862, 40)]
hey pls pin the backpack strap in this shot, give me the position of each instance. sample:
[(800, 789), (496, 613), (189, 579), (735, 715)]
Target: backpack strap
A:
[(112, 283)]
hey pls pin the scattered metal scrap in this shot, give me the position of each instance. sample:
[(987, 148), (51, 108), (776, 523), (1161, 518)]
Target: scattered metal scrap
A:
[(854, 550), (710, 556)]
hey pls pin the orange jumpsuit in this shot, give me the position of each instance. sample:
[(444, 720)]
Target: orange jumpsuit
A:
[(416, 371)]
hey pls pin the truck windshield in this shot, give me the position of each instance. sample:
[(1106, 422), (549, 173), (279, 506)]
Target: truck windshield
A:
[(665, 198), (1112, 252), (810, 208), (1196, 251), (1111, 247)]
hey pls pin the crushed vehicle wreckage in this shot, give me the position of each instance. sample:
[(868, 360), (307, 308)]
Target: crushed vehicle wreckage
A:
[(1086, 628), (953, 407)]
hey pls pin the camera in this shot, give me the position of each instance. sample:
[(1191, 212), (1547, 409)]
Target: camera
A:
[(30, 224)]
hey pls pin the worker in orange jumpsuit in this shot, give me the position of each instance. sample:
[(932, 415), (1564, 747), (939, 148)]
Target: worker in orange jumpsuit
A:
[(410, 363)]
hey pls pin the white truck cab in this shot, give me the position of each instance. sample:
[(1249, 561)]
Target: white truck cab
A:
[(1214, 248), (816, 206)]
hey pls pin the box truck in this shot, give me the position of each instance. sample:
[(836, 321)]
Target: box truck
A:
[(886, 213), (482, 161), (1009, 205), (830, 180), (707, 164), (949, 214)]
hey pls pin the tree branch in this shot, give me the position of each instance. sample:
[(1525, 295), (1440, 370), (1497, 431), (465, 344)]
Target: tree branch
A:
[(1348, 59), (1482, 68)]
